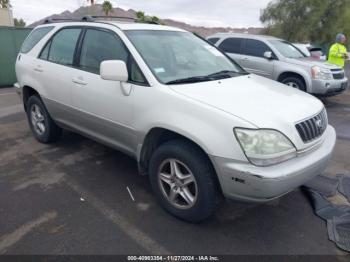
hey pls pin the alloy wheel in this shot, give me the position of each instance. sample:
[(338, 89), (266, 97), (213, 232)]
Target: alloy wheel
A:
[(178, 184), (38, 119)]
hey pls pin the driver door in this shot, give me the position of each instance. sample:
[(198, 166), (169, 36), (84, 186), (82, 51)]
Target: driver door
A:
[(104, 108)]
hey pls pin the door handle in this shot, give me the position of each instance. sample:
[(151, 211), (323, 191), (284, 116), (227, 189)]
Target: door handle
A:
[(79, 81), (38, 68)]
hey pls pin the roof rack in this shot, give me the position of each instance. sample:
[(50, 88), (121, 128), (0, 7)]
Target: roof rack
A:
[(55, 20), (95, 18)]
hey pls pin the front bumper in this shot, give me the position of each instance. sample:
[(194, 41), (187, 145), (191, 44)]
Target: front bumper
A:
[(243, 181), (328, 88)]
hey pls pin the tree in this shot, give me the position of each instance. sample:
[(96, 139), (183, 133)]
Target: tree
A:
[(5, 3), (107, 7), (19, 22), (142, 18), (307, 20)]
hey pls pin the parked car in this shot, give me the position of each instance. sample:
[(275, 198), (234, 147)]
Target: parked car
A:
[(311, 51), (198, 124), (280, 60)]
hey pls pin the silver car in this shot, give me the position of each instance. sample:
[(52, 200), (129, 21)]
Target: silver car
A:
[(280, 60)]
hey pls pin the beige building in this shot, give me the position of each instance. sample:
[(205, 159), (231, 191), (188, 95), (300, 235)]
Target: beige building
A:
[(6, 17)]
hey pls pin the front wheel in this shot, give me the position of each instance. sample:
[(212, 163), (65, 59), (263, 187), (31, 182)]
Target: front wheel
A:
[(294, 82), (184, 181)]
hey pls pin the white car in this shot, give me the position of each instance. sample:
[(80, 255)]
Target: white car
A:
[(198, 124)]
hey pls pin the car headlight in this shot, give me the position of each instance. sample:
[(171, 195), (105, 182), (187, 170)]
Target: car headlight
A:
[(319, 73), (265, 147)]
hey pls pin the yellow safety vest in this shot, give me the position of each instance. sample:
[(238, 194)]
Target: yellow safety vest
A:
[(336, 55)]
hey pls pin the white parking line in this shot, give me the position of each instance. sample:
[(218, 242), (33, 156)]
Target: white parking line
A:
[(7, 94), (8, 240), (132, 197), (141, 238)]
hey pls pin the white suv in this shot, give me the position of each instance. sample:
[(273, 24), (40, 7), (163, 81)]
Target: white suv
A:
[(197, 123)]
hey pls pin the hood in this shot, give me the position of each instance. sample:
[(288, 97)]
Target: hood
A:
[(309, 61), (258, 100)]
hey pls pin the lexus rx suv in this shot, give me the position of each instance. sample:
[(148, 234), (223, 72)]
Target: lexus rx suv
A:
[(200, 126)]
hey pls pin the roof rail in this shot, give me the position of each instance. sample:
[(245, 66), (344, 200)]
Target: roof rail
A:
[(93, 18), (55, 20)]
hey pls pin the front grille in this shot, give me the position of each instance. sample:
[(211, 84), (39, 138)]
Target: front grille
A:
[(339, 76), (313, 128)]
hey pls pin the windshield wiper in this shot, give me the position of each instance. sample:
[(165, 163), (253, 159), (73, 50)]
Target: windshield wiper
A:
[(226, 74), (194, 79), (215, 76)]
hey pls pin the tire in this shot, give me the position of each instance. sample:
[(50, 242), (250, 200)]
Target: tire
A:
[(43, 127), (188, 159), (295, 82)]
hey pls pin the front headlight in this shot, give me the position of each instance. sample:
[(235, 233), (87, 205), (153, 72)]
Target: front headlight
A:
[(265, 147), (319, 73)]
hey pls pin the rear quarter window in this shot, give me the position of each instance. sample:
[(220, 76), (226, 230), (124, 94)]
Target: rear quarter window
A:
[(34, 37)]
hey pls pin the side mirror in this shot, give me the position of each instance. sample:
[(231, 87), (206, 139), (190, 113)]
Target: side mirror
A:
[(114, 70), (268, 55)]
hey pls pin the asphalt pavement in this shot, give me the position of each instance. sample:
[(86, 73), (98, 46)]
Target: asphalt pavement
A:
[(72, 198)]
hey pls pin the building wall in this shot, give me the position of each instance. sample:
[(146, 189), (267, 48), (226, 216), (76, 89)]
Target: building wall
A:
[(6, 18)]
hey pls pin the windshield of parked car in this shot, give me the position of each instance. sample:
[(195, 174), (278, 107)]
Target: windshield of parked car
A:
[(181, 57), (287, 49)]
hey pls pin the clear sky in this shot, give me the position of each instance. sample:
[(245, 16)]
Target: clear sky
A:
[(234, 13)]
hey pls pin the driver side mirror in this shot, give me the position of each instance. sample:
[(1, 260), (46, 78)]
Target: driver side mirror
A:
[(268, 55), (114, 70)]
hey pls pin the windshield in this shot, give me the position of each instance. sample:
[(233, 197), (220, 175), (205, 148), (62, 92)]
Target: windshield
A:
[(181, 57), (287, 49)]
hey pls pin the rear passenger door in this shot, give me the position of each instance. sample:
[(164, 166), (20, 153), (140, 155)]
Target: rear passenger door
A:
[(233, 48), (105, 108), (254, 60), (54, 69)]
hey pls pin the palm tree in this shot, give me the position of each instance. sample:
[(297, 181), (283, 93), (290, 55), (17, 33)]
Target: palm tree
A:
[(107, 7), (5, 3)]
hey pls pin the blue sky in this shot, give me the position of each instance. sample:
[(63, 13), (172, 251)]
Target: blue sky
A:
[(234, 13)]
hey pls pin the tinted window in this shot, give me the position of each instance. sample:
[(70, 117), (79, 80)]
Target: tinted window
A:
[(99, 46), (63, 46), (45, 52), (255, 48), (213, 40), (232, 45), (34, 37)]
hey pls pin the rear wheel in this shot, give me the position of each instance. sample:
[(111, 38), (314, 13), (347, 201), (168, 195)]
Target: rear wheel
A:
[(43, 127), (295, 82), (184, 181)]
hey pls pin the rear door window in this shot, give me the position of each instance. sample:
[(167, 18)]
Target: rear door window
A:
[(34, 37), (232, 45), (62, 46)]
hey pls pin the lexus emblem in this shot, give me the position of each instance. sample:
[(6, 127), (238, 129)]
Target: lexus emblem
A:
[(319, 124)]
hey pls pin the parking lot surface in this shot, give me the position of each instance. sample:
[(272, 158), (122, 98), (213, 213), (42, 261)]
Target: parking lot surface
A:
[(72, 198)]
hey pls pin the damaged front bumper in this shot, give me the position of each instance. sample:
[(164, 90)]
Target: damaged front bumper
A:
[(244, 181)]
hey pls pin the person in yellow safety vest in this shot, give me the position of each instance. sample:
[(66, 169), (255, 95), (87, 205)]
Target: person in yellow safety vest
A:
[(338, 53)]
